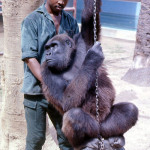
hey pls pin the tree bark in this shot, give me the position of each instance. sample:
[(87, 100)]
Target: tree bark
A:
[(142, 49), (13, 126), (139, 74)]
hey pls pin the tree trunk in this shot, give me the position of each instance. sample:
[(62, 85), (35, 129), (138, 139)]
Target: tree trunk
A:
[(13, 126), (139, 74), (142, 49)]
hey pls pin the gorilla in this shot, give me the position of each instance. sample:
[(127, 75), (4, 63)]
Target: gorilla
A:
[(69, 76)]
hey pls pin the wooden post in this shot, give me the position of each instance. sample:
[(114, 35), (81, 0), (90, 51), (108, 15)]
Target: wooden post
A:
[(73, 9)]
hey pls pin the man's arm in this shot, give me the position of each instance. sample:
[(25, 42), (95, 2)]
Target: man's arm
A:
[(35, 67)]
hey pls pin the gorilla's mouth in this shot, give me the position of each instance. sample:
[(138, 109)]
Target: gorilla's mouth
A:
[(49, 60)]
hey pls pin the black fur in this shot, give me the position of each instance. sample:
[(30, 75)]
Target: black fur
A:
[(69, 74)]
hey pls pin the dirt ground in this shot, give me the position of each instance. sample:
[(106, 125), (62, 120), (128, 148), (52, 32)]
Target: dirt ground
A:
[(118, 59), (1, 50)]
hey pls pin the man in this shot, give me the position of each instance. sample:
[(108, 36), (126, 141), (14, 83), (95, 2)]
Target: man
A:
[(37, 28)]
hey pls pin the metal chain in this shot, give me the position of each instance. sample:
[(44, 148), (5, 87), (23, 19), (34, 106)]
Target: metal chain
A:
[(101, 142), (96, 83), (94, 21), (97, 97)]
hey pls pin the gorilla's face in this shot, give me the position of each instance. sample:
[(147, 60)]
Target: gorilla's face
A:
[(58, 52)]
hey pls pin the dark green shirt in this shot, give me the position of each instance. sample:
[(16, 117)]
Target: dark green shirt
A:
[(37, 29)]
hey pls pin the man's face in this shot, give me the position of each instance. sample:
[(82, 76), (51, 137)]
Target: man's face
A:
[(56, 6)]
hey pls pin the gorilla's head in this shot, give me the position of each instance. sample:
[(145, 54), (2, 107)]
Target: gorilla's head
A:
[(59, 51)]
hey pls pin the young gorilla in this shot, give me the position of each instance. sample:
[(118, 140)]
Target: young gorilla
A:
[(69, 75)]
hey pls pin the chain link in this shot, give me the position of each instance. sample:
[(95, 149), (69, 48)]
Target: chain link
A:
[(94, 21), (101, 140), (97, 97), (96, 82), (101, 144)]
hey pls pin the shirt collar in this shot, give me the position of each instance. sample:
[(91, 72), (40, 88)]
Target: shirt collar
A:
[(43, 10)]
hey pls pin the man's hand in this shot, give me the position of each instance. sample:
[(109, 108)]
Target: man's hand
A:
[(35, 67)]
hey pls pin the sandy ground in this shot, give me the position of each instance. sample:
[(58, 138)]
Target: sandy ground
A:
[(118, 59), (1, 50)]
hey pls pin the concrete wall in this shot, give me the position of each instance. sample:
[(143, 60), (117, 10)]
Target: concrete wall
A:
[(115, 14), (121, 7)]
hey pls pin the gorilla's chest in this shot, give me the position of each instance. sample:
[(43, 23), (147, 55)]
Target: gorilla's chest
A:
[(58, 86), (70, 74)]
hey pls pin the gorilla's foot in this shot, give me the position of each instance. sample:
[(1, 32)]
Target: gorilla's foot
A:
[(90, 145), (117, 142), (121, 148), (113, 143)]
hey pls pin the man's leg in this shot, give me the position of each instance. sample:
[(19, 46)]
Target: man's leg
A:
[(56, 119), (36, 123)]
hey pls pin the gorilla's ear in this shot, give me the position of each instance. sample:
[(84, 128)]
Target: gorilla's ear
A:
[(69, 43)]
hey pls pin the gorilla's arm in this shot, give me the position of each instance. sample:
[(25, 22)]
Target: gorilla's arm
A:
[(77, 89), (79, 86), (87, 22)]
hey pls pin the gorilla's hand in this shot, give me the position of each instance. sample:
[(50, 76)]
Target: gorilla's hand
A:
[(97, 49), (94, 57)]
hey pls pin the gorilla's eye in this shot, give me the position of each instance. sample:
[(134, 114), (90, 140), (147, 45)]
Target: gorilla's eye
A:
[(53, 45), (68, 42), (47, 47)]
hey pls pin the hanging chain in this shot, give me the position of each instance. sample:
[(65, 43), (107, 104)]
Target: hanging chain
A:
[(94, 21), (97, 97), (96, 83), (101, 142)]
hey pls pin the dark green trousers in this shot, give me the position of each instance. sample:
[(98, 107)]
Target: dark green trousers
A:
[(36, 108)]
